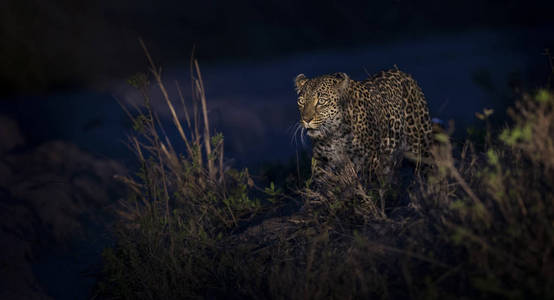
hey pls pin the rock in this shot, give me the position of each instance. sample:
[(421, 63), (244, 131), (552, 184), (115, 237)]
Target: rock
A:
[(10, 134), (46, 196)]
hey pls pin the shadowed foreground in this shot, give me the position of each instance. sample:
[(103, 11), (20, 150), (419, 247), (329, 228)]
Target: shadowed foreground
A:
[(477, 223)]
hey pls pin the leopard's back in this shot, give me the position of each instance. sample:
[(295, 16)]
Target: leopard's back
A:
[(388, 116)]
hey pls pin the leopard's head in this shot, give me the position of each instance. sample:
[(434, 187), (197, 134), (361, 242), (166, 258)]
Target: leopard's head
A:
[(319, 102)]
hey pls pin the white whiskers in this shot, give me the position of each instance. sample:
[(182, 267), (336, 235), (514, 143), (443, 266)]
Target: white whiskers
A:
[(298, 128)]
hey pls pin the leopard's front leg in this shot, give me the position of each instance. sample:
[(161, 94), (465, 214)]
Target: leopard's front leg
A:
[(319, 173)]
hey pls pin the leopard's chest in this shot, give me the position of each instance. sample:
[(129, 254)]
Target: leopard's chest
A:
[(341, 147)]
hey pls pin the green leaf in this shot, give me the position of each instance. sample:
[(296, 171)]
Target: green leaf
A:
[(441, 137), (138, 80), (492, 157), (216, 139), (526, 132), (457, 205), (543, 96)]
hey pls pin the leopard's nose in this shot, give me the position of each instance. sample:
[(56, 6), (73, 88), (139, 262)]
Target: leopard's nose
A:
[(307, 119), (306, 122)]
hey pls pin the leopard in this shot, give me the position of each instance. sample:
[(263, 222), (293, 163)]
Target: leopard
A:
[(370, 124)]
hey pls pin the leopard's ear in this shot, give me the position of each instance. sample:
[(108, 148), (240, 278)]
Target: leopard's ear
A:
[(344, 81), (299, 81)]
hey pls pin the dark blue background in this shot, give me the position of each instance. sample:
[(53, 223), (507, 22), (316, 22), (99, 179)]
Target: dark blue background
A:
[(63, 64)]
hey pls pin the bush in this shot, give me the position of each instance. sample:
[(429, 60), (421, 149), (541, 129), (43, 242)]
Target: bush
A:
[(172, 228), (495, 208)]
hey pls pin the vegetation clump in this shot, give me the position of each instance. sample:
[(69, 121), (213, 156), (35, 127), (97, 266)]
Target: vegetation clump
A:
[(476, 223)]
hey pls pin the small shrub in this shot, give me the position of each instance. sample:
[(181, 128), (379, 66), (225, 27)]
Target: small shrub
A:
[(495, 209)]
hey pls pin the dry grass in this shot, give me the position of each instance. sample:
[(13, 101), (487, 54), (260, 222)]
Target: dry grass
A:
[(478, 223)]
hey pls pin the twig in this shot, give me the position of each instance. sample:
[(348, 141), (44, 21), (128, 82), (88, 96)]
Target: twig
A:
[(202, 94), (158, 78)]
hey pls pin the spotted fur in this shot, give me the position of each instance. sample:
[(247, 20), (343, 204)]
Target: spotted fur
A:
[(370, 123)]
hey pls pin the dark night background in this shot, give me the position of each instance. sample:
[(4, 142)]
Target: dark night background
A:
[(63, 64)]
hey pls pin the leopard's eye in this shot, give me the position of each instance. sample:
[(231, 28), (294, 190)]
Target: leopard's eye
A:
[(300, 100), (322, 99)]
